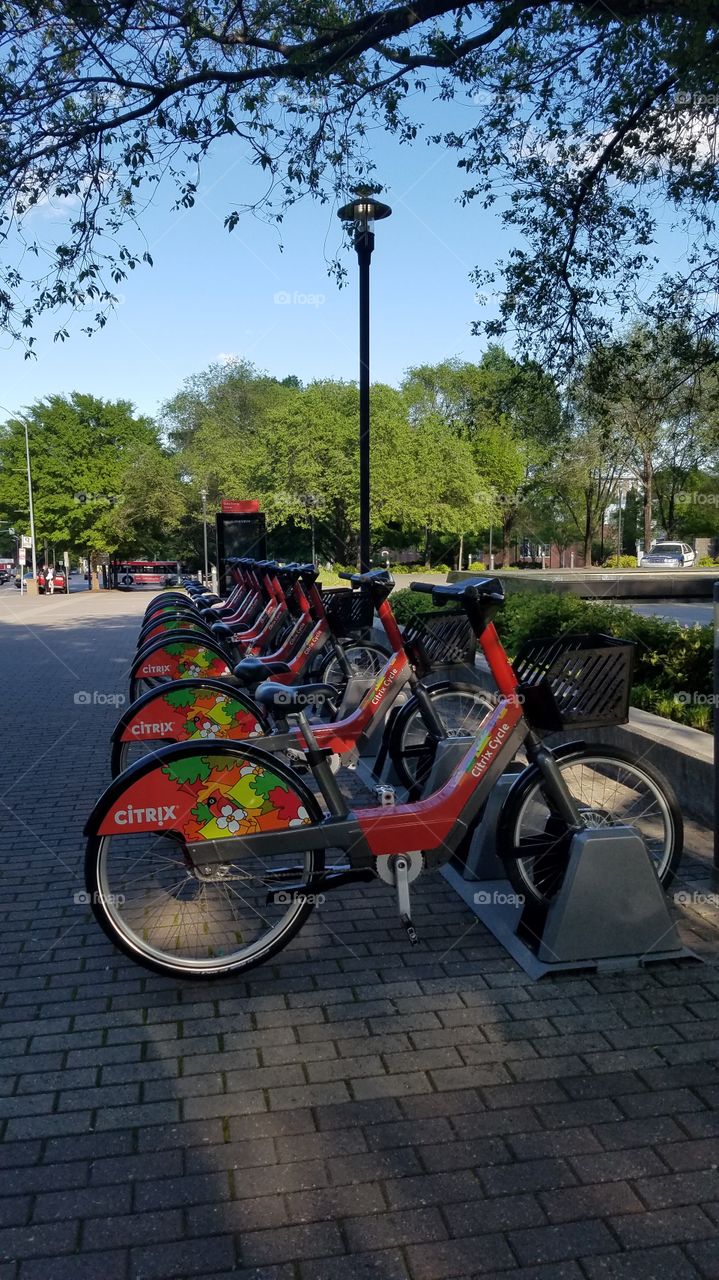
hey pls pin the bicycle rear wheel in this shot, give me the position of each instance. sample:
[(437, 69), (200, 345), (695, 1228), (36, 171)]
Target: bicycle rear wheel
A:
[(611, 789), (153, 905)]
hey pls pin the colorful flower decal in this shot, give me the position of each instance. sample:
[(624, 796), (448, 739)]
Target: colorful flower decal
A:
[(207, 797), (183, 713)]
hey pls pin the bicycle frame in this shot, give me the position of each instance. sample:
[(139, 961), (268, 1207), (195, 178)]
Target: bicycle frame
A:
[(147, 799)]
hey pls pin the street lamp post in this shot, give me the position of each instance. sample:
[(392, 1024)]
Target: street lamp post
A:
[(311, 502), (32, 512), (361, 214), (203, 495)]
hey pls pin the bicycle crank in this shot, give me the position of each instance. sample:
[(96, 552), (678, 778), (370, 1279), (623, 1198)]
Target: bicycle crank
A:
[(399, 870)]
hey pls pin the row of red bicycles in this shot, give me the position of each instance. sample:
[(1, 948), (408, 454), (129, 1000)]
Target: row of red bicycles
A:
[(229, 814)]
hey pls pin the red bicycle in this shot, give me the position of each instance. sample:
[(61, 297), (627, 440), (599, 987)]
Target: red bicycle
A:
[(223, 709), (203, 861)]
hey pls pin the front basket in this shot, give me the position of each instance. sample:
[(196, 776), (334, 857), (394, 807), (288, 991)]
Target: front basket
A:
[(347, 610), (575, 681), (441, 638)]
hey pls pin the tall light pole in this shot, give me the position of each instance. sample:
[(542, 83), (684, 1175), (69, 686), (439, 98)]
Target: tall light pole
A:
[(32, 513), (361, 214), (619, 524), (203, 495), (311, 502)]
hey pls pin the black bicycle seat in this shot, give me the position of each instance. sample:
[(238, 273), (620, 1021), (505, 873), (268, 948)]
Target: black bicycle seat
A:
[(467, 590), (378, 582), (283, 701), (252, 670)]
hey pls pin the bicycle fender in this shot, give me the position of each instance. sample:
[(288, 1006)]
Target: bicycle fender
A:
[(184, 655), (211, 793), (181, 710)]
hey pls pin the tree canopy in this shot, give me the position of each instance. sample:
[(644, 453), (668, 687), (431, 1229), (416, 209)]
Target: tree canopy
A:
[(594, 124), (101, 479)]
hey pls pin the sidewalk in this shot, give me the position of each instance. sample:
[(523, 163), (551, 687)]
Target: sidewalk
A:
[(363, 1109)]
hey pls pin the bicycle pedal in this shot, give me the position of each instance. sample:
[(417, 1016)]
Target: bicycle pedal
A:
[(410, 930), (385, 795), (297, 759)]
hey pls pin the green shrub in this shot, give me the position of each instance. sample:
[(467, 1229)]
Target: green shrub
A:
[(406, 604), (620, 562), (665, 704), (440, 568), (706, 562), (477, 566)]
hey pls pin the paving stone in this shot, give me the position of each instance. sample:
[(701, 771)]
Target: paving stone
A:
[(648, 1264), (613, 1166), (311, 1240), (528, 1175), (678, 1188), (112, 1264), (384, 1264), (557, 1242), (472, 1255), (600, 1199), (184, 1258), (664, 1226), (500, 1213)]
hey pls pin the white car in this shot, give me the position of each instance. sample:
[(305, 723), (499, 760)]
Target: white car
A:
[(668, 555)]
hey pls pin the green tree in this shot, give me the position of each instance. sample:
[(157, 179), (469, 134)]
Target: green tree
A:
[(95, 468), (657, 387), (508, 411)]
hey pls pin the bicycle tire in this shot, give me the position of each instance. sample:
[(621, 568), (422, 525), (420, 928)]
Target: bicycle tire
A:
[(413, 759), (365, 657), (538, 875), (193, 898)]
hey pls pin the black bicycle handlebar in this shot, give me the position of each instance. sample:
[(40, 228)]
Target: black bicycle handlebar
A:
[(426, 587)]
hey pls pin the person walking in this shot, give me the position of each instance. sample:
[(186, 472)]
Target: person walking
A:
[(50, 579)]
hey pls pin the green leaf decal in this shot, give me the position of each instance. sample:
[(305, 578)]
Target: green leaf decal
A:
[(194, 769), (267, 782), (180, 697)]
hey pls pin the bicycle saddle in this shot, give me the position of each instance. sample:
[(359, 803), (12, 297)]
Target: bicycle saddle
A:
[(478, 587), (283, 701), (379, 583), (252, 670)]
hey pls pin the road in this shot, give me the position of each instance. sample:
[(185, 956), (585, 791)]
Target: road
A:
[(688, 614)]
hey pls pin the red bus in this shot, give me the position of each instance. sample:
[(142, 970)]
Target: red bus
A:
[(145, 573)]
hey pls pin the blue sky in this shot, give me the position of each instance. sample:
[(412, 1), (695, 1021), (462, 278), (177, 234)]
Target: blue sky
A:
[(212, 294)]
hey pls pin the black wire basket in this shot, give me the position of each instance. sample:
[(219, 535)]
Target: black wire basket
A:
[(575, 681), (347, 610), (442, 638)]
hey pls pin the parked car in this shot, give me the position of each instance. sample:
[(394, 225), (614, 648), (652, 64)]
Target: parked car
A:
[(668, 555), (60, 580), (19, 578)]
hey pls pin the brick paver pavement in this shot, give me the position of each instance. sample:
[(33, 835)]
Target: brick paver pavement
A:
[(361, 1109)]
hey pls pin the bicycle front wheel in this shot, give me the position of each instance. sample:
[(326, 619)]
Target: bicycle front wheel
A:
[(610, 789), (364, 660), (461, 708)]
